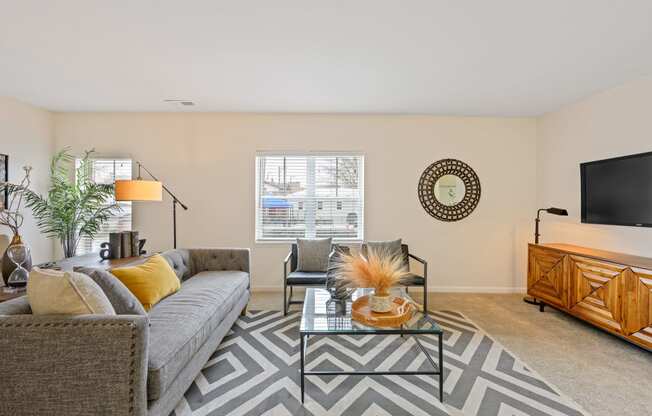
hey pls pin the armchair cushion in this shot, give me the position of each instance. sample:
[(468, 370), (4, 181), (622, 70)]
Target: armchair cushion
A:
[(306, 278), (313, 254), (392, 247), (413, 280)]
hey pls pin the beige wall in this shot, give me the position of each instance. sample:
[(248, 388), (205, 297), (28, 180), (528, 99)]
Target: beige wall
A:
[(26, 136), (613, 123), (208, 160)]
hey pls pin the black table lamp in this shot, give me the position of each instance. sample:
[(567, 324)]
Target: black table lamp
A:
[(553, 211)]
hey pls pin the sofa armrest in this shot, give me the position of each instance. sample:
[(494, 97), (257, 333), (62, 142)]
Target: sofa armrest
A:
[(216, 259), (81, 365)]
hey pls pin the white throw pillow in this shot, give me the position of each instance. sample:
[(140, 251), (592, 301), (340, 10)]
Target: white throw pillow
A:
[(53, 292)]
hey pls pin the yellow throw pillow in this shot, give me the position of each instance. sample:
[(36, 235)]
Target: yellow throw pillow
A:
[(149, 282), (66, 293)]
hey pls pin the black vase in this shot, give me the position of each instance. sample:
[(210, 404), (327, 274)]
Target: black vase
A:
[(9, 266)]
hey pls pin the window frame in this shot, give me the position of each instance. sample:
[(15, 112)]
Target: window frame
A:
[(361, 155), (100, 157)]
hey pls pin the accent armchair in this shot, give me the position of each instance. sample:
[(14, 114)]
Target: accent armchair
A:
[(293, 277)]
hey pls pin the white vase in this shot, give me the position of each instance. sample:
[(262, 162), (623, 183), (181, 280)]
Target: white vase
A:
[(380, 304)]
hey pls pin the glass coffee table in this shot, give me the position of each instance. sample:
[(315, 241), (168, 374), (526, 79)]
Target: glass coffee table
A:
[(323, 317)]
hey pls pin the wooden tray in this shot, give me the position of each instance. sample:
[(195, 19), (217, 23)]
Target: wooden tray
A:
[(401, 312)]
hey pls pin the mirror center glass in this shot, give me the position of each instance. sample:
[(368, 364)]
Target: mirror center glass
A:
[(449, 190)]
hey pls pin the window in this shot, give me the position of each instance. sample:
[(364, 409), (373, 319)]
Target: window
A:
[(309, 195), (107, 171)]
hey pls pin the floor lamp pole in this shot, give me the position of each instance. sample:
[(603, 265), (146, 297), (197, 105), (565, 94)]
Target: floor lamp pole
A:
[(175, 201), (174, 222), (537, 220), (552, 210)]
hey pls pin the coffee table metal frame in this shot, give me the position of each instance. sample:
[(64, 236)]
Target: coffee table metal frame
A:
[(304, 335)]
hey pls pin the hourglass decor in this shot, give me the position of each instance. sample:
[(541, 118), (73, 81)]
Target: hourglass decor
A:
[(12, 218), (18, 254)]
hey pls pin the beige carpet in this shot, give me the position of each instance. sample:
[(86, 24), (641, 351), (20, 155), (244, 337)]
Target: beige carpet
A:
[(602, 373)]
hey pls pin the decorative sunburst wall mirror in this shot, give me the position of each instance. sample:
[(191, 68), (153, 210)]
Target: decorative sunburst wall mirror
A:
[(449, 190)]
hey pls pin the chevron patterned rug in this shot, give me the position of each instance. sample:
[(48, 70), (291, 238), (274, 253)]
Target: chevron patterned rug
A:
[(255, 371)]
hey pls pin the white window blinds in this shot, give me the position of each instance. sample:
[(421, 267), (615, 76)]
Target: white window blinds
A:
[(107, 171), (309, 195)]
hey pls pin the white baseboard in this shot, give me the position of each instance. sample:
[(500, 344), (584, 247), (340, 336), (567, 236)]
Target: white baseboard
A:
[(436, 289), (475, 289)]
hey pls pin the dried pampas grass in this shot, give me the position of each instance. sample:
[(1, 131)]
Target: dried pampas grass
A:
[(378, 270)]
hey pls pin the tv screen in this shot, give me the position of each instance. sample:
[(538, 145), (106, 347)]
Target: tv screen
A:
[(618, 191)]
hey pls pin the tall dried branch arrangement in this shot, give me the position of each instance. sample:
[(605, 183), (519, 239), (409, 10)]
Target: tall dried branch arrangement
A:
[(10, 215), (378, 270)]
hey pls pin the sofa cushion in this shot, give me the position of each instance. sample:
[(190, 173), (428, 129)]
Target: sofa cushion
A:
[(181, 323), (306, 278), (150, 282), (16, 306), (55, 292), (123, 301), (179, 260)]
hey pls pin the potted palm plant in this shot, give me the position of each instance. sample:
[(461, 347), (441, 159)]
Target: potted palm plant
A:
[(74, 206)]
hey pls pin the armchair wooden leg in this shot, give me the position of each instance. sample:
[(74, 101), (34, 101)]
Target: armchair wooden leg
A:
[(243, 312)]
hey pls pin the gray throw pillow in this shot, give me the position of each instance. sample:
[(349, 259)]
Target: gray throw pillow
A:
[(391, 247), (123, 301), (313, 254)]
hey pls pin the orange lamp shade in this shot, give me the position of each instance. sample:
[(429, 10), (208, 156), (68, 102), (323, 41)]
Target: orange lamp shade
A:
[(138, 190)]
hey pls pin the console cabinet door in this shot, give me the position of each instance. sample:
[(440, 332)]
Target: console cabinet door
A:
[(613, 296), (596, 291), (546, 276), (637, 309)]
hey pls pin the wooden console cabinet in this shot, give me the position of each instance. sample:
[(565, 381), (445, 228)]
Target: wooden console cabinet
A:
[(610, 290)]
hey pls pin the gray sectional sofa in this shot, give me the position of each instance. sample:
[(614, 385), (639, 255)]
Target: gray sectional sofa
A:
[(123, 364)]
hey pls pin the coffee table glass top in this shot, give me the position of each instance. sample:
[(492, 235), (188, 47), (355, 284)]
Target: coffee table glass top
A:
[(323, 316)]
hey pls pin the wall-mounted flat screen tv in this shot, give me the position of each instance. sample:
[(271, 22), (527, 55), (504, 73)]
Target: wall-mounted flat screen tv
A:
[(618, 191)]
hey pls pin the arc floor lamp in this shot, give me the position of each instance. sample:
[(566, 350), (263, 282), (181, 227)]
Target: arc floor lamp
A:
[(147, 190), (537, 220)]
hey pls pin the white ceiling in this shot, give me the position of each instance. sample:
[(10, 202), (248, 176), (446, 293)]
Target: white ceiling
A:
[(455, 57)]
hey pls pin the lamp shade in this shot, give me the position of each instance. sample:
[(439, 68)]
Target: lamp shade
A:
[(138, 190), (557, 211)]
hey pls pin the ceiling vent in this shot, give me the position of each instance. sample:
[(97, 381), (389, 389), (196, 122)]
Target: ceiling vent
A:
[(179, 102)]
